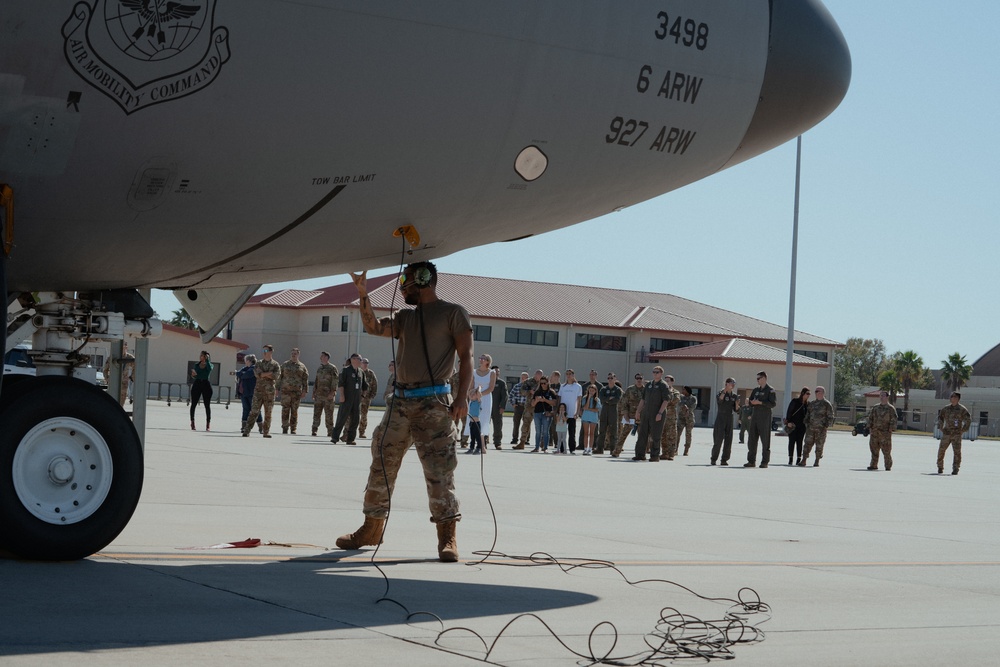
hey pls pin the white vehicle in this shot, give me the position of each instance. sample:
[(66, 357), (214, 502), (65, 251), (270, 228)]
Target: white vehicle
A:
[(206, 147)]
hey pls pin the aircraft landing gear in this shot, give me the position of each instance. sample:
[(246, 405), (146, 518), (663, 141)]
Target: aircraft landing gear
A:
[(71, 468)]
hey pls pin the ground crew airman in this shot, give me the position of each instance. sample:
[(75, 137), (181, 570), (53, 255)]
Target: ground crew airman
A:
[(881, 424), (127, 363), (294, 387), (685, 418), (668, 438), (324, 393), (762, 399), (528, 388), (268, 373), (367, 396), (953, 420), (610, 396), (627, 408), (819, 418), (651, 410)]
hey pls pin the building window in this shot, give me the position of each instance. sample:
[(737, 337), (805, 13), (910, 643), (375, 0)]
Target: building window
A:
[(664, 344), (531, 337), (984, 418), (324, 324), (482, 333), (819, 356), (344, 321), (916, 415), (598, 342)]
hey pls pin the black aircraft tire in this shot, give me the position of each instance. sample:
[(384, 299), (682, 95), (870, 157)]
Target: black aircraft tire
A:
[(71, 469)]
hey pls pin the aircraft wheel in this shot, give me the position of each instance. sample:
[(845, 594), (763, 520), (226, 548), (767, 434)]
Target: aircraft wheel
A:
[(71, 469), (854, 431)]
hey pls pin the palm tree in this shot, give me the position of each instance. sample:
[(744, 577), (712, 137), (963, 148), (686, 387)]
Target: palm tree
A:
[(182, 319), (889, 381), (909, 368), (955, 371)]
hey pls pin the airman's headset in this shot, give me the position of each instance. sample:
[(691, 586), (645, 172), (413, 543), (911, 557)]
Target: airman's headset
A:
[(423, 274)]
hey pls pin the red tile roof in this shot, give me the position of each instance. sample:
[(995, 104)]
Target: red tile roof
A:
[(196, 334), (553, 303), (737, 349)]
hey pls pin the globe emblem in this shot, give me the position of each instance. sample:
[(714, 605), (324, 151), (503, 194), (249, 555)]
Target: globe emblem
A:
[(153, 30)]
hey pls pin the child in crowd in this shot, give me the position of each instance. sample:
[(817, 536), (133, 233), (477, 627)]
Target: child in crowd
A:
[(562, 430), (475, 428)]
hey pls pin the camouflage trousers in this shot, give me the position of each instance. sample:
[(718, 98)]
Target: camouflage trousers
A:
[(685, 425), (263, 401), (427, 424), (290, 409), (526, 427), (880, 442), (623, 432), (323, 407), (670, 437), (955, 440), (817, 436), (363, 418)]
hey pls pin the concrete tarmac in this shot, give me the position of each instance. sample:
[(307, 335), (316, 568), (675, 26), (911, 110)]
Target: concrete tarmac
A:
[(855, 567)]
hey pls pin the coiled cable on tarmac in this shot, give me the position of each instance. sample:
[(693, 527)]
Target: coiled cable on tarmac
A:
[(674, 636)]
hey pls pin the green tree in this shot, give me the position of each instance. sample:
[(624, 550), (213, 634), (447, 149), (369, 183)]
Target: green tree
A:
[(956, 371), (909, 367), (182, 319), (858, 363)]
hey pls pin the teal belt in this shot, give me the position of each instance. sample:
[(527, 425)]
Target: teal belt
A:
[(423, 392)]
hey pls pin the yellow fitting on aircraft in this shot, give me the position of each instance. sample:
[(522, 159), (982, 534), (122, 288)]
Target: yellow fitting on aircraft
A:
[(410, 233), (7, 203)]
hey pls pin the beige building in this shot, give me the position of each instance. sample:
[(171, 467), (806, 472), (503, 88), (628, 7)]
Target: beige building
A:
[(528, 325)]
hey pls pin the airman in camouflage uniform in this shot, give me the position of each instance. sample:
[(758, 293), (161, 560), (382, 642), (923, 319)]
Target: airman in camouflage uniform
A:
[(685, 419), (367, 396), (819, 417), (268, 373), (324, 393), (668, 440), (528, 388), (626, 411), (294, 387), (881, 424), (953, 420), (127, 364)]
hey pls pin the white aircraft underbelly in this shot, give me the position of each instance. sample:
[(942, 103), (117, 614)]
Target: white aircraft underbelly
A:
[(264, 140)]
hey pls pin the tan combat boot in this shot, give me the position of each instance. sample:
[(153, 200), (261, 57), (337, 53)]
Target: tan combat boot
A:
[(370, 533), (447, 545)]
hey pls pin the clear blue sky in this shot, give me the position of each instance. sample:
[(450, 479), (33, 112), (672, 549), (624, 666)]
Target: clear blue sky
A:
[(899, 203)]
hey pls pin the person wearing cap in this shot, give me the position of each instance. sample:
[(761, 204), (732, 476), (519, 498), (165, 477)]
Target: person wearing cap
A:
[(819, 417), (953, 420), (651, 411), (366, 396), (268, 373), (627, 413), (351, 387), (517, 402), (669, 437), (293, 388), (324, 393), (424, 412), (881, 423), (726, 402), (763, 399), (607, 430)]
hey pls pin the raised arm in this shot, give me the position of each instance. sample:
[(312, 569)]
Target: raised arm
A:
[(373, 325)]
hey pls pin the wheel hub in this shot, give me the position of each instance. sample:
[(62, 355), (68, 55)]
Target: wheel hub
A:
[(62, 470)]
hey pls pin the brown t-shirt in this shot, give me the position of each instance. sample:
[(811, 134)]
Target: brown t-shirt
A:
[(443, 322)]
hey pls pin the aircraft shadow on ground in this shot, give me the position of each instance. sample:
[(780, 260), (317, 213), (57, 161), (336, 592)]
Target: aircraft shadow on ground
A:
[(99, 605)]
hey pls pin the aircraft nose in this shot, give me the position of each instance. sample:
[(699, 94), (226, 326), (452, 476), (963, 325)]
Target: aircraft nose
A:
[(807, 74)]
